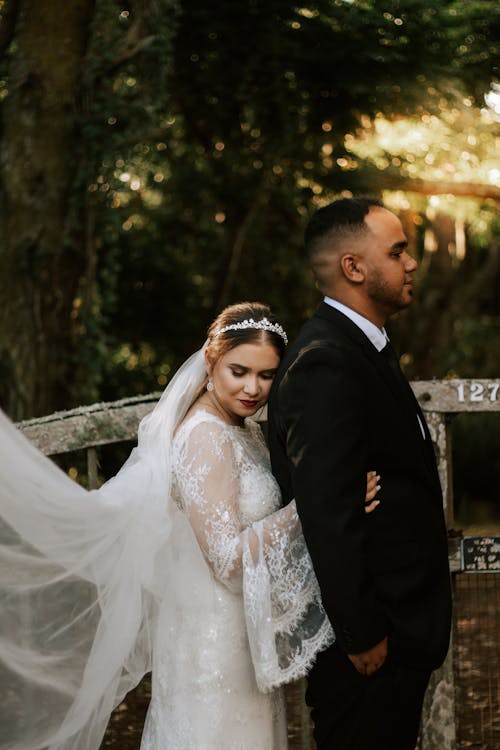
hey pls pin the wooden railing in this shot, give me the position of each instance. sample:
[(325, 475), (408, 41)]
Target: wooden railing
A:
[(87, 428)]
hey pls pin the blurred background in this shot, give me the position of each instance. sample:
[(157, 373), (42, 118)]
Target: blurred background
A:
[(160, 159)]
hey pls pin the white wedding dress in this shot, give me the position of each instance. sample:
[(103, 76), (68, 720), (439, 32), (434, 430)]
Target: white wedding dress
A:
[(204, 692), (182, 564)]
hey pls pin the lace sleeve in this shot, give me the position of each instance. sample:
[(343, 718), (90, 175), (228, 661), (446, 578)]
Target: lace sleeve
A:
[(206, 478), (207, 473), (287, 625), (268, 560)]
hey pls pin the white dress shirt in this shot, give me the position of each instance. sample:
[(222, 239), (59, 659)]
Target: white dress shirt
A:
[(377, 336)]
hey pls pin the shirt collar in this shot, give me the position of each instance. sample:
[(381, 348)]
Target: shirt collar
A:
[(377, 336)]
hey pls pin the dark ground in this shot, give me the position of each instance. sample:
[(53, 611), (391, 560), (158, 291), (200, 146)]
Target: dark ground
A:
[(477, 673)]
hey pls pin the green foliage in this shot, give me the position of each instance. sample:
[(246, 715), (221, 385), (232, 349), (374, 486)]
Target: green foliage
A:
[(209, 131), (124, 96), (239, 156)]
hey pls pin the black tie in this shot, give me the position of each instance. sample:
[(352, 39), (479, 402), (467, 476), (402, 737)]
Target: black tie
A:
[(392, 360)]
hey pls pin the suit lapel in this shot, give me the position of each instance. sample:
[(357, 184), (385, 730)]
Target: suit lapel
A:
[(401, 392), (352, 331)]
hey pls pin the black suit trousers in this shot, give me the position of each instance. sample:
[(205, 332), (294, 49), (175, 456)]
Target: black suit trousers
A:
[(353, 712)]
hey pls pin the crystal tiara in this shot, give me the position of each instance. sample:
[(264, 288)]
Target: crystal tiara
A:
[(263, 324)]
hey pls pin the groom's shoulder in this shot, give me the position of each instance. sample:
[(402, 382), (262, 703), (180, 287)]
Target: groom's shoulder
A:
[(325, 329), (320, 339)]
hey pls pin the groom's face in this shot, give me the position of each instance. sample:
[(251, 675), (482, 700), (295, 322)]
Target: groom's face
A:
[(388, 266)]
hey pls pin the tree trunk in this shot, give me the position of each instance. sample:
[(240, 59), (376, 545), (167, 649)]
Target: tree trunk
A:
[(40, 260)]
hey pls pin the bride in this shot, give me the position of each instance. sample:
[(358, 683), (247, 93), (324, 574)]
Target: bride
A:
[(184, 564)]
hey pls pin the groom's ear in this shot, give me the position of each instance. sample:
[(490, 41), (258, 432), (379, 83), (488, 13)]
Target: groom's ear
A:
[(353, 268)]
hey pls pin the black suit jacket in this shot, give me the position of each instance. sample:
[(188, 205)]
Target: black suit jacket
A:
[(337, 411)]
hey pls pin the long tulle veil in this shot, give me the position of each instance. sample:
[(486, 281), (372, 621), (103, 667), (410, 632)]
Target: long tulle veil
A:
[(80, 580)]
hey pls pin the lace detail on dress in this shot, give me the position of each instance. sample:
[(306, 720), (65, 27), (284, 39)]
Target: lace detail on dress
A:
[(286, 623), (222, 481), (205, 695), (206, 479), (225, 486)]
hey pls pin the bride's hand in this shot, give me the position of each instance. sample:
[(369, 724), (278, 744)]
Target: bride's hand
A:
[(372, 488)]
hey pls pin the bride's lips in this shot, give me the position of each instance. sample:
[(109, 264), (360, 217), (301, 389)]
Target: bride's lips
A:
[(249, 404)]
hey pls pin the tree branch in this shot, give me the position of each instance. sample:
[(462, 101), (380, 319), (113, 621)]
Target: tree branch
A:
[(155, 134), (134, 42), (237, 248), (8, 24), (429, 187), (368, 177), (127, 51)]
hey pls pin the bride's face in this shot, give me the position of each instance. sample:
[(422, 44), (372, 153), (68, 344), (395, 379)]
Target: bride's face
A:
[(242, 379)]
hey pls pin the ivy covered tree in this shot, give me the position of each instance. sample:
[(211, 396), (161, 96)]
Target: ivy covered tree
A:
[(66, 71), (45, 44)]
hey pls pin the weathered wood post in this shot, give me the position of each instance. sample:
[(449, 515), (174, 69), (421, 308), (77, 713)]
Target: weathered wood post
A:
[(441, 400)]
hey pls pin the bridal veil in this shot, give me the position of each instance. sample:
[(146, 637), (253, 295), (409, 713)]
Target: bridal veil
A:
[(82, 575), (79, 578)]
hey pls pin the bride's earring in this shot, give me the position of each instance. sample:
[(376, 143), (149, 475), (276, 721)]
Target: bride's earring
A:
[(210, 385)]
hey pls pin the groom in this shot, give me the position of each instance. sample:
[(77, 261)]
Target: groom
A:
[(341, 407)]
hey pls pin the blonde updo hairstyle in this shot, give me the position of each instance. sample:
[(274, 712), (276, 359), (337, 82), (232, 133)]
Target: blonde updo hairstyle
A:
[(221, 343)]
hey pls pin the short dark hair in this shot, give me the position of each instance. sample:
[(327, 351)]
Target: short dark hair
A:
[(340, 219)]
